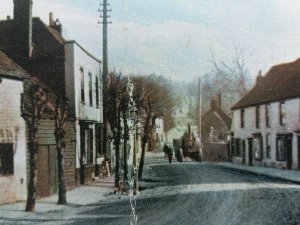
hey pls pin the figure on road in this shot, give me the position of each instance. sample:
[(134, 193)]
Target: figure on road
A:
[(170, 153)]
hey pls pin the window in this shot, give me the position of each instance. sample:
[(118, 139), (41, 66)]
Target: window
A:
[(281, 149), (257, 116), (6, 159), (282, 113), (91, 89), (268, 146), (257, 147), (242, 118), (267, 115), (97, 91), (82, 85)]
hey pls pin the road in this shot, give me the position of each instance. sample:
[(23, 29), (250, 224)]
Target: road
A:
[(204, 193), (188, 193)]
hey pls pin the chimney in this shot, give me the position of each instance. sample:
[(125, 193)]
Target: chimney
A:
[(56, 25), (259, 77), (23, 26), (220, 100), (213, 104), (51, 20), (8, 17)]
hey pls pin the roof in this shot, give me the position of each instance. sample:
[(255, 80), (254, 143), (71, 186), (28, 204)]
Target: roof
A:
[(227, 120), (281, 82), (10, 69), (83, 49)]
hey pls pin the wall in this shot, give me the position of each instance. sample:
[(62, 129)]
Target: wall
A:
[(12, 130), (214, 152)]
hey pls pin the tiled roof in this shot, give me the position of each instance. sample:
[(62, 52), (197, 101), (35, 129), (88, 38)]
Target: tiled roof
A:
[(227, 120), (11, 69), (281, 82)]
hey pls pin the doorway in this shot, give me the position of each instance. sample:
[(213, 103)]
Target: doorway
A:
[(250, 151)]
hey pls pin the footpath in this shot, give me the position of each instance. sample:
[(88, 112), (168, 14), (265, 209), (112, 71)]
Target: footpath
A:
[(285, 175), (46, 209)]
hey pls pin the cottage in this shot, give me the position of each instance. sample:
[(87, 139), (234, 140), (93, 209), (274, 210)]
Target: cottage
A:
[(266, 121), (215, 130), (13, 176)]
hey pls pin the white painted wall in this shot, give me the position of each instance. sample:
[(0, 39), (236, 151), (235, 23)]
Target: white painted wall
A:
[(291, 125), (12, 129), (77, 58)]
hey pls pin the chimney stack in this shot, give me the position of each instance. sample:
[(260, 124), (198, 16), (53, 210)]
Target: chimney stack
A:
[(220, 100), (23, 27), (8, 17), (51, 19), (56, 25), (213, 104), (259, 77)]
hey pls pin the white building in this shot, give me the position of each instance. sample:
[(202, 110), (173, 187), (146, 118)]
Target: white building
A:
[(12, 133), (266, 121), (83, 88)]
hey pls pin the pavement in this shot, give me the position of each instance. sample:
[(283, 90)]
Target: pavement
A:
[(285, 175)]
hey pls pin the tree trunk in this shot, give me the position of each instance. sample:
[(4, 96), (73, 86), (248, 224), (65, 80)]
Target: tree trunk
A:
[(62, 197), (126, 135), (31, 196), (117, 146), (142, 161)]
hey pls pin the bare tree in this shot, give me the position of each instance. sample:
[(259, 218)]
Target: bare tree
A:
[(234, 76), (153, 100), (61, 110), (33, 103)]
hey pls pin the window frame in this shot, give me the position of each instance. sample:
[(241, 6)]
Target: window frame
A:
[(6, 166), (242, 118), (267, 114), (257, 116), (90, 89), (282, 113), (82, 84)]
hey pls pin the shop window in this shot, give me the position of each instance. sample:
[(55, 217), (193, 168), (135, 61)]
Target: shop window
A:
[(257, 147), (6, 159), (281, 149)]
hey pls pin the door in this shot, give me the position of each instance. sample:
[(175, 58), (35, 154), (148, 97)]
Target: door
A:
[(289, 152), (244, 151), (47, 172), (250, 151)]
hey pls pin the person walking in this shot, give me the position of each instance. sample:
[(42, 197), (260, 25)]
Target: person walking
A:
[(170, 153)]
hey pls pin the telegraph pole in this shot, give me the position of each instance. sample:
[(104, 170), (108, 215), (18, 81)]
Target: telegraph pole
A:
[(104, 17)]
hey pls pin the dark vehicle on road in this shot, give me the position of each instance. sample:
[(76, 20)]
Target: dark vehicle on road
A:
[(191, 145)]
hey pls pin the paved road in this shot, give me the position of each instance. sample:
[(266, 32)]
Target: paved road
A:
[(189, 193)]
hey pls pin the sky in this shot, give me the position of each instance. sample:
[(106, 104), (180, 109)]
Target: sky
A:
[(175, 38)]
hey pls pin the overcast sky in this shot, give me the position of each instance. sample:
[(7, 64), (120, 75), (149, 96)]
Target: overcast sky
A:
[(175, 37)]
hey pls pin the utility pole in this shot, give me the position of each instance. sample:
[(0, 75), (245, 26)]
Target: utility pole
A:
[(104, 17)]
